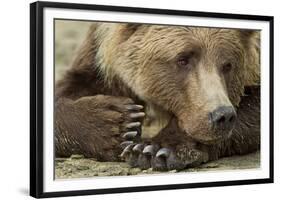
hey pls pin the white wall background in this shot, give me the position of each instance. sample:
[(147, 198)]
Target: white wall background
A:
[(14, 99)]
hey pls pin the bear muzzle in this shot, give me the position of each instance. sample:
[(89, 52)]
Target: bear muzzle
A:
[(215, 126)]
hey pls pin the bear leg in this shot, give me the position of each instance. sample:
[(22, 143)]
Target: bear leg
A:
[(94, 126)]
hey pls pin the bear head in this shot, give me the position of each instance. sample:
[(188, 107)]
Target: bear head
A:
[(196, 74)]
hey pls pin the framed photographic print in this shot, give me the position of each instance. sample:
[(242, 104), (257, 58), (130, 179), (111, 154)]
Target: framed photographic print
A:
[(130, 99)]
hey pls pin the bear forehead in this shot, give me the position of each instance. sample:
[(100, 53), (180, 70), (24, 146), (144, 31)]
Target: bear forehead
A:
[(192, 35), (158, 41), (196, 32)]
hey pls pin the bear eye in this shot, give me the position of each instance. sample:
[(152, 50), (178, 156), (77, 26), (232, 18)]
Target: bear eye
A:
[(184, 61), (226, 67)]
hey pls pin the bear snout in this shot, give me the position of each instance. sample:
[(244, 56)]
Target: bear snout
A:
[(223, 119), (210, 127)]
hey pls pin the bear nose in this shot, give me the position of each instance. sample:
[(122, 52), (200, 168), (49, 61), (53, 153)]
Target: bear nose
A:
[(223, 117)]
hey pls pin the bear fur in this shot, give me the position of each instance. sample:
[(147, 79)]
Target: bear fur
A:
[(179, 75)]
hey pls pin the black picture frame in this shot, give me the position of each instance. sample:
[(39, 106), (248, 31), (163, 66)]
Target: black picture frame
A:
[(37, 98)]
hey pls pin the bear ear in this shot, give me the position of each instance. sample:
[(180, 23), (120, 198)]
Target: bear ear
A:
[(247, 32), (127, 30), (251, 41), (248, 35)]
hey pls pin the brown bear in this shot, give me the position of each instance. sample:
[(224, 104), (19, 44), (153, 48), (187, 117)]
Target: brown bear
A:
[(166, 97)]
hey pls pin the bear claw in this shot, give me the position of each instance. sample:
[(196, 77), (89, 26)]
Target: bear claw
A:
[(134, 107), (137, 115), (150, 150), (130, 135), (132, 127), (127, 150), (164, 152), (151, 156), (125, 144), (138, 148), (133, 124)]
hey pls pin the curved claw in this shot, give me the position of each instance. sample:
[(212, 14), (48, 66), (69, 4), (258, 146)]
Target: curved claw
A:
[(137, 115), (130, 135), (127, 150), (125, 144), (164, 152), (134, 107), (133, 124), (138, 148), (150, 150)]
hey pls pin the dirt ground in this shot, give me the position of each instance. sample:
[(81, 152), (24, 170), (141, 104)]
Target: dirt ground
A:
[(79, 167), (68, 36)]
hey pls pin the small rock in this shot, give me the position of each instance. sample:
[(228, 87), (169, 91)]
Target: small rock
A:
[(76, 156)]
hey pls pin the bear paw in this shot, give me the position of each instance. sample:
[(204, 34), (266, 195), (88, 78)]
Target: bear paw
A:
[(159, 158)]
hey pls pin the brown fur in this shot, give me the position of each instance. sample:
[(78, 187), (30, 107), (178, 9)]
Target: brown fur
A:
[(124, 63), (245, 136)]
